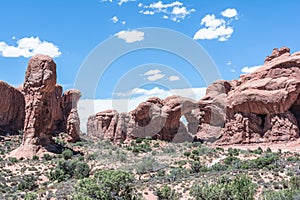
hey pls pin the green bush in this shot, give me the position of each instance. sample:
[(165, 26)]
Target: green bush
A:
[(67, 154), (258, 151), (166, 193), (281, 195), (195, 167), (66, 169), (13, 159), (105, 185), (28, 183), (240, 188), (146, 165), (231, 160), (196, 152), (31, 196), (47, 157), (35, 157), (187, 153), (233, 151)]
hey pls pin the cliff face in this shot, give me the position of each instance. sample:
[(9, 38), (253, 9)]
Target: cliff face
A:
[(259, 107), (264, 105), (12, 109), (40, 108)]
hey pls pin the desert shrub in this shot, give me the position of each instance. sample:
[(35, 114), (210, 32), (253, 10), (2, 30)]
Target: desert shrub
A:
[(13, 159), (105, 185), (196, 152), (28, 183), (166, 193), (293, 159), (281, 195), (35, 157), (67, 154), (294, 183), (233, 151), (268, 160), (239, 188), (141, 148), (66, 169), (139, 140), (47, 157), (195, 167), (219, 167), (177, 173), (147, 165), (31, 196), (268, 150), (231, 160), (187, 154), (169, 150), (156, 145), (204, 150), (258, 151)]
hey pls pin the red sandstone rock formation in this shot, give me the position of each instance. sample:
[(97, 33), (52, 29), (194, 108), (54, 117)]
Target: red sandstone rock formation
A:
[(263, 106), (71, 117), (154, 118), (46, 110), (266, 101), (12, 107)]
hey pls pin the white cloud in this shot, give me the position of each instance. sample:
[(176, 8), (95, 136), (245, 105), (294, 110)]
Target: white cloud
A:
[(232, 70), (123, 22), (160, 5), (124, 1), (147, 12), (155, 77), (173, 78), (131, 36), (222, 33), (229, 12), (87, 107), (114, 19), (229, 62), (120, 2), (248, 70), (215, 28), (174, 11), (28, 47), (211, 21), (141, 92), (151, 72)]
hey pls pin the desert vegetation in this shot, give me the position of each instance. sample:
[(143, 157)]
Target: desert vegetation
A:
[(146, 168)]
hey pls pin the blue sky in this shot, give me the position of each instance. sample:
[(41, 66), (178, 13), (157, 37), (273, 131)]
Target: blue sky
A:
[(234, 34)]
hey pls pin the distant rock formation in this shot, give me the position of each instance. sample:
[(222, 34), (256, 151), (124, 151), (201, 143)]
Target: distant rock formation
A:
[(154, 118), (47, 111), (263, 106)]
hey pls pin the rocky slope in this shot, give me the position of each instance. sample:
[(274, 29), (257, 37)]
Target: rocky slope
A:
[(262, 106), (39, 108)]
